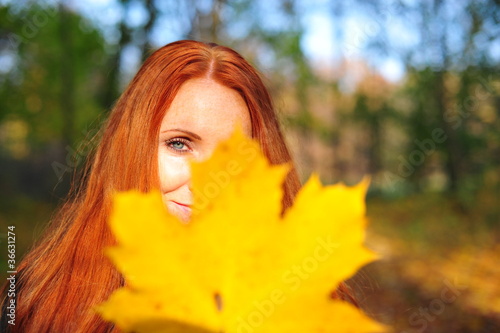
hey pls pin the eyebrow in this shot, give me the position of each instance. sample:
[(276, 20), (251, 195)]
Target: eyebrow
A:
[(194, 135)]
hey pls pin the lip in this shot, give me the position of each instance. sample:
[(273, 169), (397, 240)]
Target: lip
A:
[(181, 204), (181, 210)]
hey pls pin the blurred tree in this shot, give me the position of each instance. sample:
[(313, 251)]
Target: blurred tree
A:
[(54, 64), (446, 67), (111, 89), (207, 26)]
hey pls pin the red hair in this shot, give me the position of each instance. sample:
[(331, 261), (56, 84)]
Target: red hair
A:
[(66, 273)]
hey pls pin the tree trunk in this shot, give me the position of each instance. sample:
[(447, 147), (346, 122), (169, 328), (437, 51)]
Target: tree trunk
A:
[(67, 76)]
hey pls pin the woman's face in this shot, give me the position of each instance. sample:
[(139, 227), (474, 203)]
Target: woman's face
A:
[(201, 115)]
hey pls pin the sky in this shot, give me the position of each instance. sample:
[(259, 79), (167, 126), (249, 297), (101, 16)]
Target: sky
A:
[(319, 41), (326, 38)]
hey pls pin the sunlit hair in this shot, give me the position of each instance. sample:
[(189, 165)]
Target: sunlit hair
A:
[(66, 273)]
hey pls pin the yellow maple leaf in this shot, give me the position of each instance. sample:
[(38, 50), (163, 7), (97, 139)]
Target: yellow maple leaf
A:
[(238, 266)]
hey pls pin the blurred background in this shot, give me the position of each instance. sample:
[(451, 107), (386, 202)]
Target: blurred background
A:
[(406, 91)]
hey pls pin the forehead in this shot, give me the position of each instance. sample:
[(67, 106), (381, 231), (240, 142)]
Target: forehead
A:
[(205, 106)]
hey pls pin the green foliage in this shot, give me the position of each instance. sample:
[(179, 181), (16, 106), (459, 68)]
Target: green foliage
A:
[(57, 73)]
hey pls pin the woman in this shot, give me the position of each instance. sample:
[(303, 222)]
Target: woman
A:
[(185, 98)]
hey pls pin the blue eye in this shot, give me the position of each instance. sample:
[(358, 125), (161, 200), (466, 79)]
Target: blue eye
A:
[(177, 145), (180, 145)]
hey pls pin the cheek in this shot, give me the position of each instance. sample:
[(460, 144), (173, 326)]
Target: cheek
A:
[(246, 123), (173, 171)]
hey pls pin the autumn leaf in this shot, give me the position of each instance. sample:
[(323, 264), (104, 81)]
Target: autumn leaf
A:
[(238, 266)]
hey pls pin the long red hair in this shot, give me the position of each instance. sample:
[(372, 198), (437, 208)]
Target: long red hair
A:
[(66, 274)]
